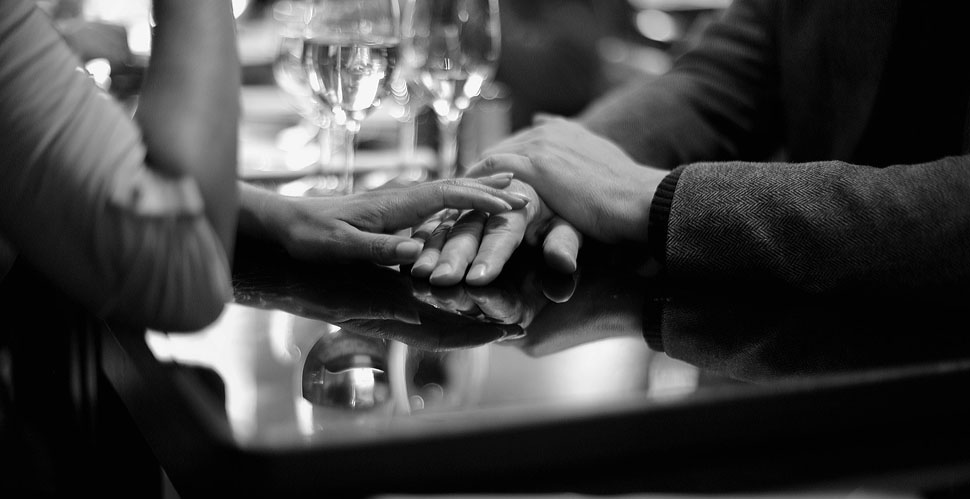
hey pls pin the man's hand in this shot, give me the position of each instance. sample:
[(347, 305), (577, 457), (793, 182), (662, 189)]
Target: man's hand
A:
[(584, 178)]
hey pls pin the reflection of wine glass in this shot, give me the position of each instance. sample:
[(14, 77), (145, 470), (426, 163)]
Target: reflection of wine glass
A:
[(410, 100), (453, 45), (346, 371), (349, 54)]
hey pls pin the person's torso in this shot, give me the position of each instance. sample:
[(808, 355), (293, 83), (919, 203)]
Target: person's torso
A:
[(875, 82)]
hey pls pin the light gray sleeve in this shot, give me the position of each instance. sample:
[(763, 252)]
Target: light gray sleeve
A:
[(79, 202)]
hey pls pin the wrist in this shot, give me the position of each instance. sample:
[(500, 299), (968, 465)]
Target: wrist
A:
[(263, 213), (649, 182)]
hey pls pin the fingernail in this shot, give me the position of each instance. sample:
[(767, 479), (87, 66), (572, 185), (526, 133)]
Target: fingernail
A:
[(408, 250), (477, 272), (501, 176), (521, 196), (422, 268), (440, 271), (506, 205)]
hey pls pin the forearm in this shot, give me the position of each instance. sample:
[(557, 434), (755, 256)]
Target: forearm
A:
[(821, 227), (719, 102), (77, 201), (260, 212), (189, 106)]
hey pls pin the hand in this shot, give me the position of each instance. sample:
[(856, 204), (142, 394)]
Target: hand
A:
[(359, 226), (513, 299), (452, 240), (584, 178), (364, 299)]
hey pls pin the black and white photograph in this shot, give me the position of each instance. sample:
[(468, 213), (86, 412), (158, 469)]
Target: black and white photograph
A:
[(485, 249)]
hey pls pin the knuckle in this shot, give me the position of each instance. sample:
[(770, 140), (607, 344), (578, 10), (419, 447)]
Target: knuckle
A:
[(380, 247), (438, 191), (490, 163)]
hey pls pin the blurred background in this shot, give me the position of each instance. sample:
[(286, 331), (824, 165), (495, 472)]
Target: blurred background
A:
[(557, 56)]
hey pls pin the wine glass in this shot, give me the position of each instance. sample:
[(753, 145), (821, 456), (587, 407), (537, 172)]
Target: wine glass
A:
[(314, 124), (453, 46), (410, 100), (349, 55)]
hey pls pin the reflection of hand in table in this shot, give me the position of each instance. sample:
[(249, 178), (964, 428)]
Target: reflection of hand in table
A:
[(606, 302), (362, 298), (556, 311), (334, 294), (461, 316), (516, 297)]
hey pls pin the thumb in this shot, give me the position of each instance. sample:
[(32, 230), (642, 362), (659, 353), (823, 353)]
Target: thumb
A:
[(384, 249), (561, 245)]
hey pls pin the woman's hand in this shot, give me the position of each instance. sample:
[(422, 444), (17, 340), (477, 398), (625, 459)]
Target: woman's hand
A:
[(574, 179), (481, 244), (362, 226)]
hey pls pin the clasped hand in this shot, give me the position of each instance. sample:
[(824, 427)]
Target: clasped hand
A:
[(577, 183)]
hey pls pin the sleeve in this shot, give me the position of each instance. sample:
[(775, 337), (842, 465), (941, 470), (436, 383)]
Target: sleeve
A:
[(719, 101), (823, 226), (78, 201), (659, 215)]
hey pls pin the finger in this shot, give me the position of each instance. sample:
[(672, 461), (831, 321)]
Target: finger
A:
[(561, 245), (412, 205), (454, 299), (499, 180), (348, 243), (422, 232), (498, 306), (420, 288), (462, 245), (503, 234), (520, 166), (479, 193), (428, 259), (559, 288)]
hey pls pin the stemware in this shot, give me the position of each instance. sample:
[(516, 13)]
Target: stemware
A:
[(453, 48), (314, 124), (349, 55)]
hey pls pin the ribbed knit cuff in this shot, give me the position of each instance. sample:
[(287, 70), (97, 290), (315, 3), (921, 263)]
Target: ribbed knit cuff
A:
[(660, 215), (653, 311)]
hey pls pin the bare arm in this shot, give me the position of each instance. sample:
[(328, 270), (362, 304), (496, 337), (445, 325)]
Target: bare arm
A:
[(189, 105), (135, 223)]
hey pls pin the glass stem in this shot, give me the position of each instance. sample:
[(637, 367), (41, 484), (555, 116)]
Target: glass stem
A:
[(325, 143), (448, 145), (346, 169), (407, 135)]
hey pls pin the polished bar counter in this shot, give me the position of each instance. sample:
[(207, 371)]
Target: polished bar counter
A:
[(357, 380)]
